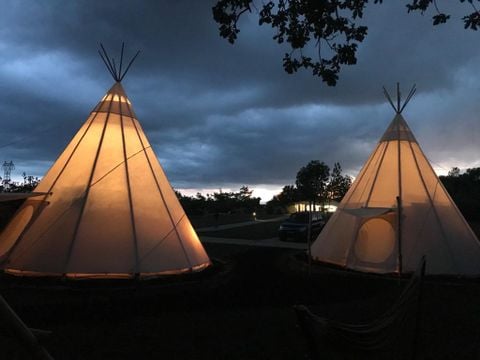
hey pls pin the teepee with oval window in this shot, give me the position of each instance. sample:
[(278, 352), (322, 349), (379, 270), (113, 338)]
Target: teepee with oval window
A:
[(108, 210), (396, 211)]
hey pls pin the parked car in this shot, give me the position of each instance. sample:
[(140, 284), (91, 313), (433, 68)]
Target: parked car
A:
[(295, 228)]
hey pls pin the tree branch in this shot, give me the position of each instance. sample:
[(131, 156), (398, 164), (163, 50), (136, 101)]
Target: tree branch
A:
[(302, 23)]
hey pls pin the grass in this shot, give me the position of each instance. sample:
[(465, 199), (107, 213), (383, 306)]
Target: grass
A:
[(245, 313), (258, 231)]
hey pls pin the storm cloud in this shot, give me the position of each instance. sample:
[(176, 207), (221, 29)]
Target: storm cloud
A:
[(222, 116)]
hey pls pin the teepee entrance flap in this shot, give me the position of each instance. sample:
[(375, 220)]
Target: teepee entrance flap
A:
[(368, 212)]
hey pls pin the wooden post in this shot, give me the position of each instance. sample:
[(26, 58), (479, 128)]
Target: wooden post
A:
[(21, 332), (399, 197), (399, 235), (418, 317), (309, 234)]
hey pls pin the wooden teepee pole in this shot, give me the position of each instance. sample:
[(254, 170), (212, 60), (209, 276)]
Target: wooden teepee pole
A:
[(399, 235), (22, 332)]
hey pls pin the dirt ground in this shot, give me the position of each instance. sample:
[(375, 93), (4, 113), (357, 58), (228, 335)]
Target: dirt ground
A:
[(240, 310)]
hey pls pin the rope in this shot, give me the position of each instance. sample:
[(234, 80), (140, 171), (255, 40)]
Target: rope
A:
[(372, 335)]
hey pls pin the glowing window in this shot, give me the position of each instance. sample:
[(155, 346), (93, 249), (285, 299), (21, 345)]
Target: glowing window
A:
[(375, 241)]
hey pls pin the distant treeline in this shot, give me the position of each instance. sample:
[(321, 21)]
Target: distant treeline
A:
[(315, 178), (29, 183), (464, 188), (220, 202), (314, 183)]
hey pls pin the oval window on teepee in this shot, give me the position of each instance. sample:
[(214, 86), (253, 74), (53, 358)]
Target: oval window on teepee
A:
[(15, 228), (375, 241)]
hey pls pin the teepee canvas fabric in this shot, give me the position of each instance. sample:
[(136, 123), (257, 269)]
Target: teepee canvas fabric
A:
[(396, 211), (109, 210)]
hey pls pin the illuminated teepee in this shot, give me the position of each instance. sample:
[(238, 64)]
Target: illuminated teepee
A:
[(396, 211), (110, 211)]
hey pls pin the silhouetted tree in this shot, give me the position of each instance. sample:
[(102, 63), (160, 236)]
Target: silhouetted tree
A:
[(339, 184), (193, 205), (464, 190), (279, 203), (246, 201), (244, 194), (329, 25), (224, 201), (312, 181), (454, 172), (288, 195), (220, 202), (29, 183)]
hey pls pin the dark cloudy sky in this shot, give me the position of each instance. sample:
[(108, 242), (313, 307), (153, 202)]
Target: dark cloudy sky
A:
[(222, 116)]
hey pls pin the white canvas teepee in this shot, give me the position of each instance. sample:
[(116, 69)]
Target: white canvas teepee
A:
[(396, 211), (109, 212)]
